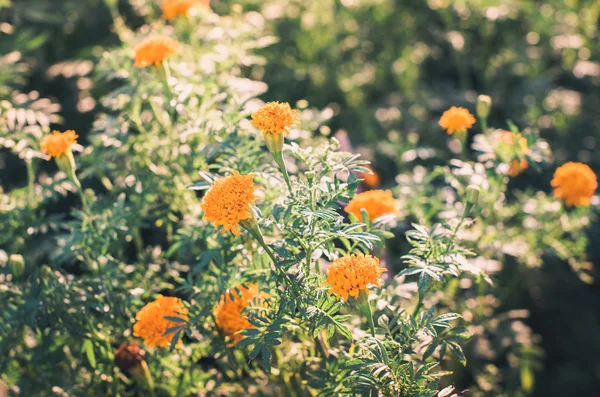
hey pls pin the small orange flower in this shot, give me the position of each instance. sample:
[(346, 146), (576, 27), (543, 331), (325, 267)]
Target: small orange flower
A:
[(58, 143), (371, 180), (456, 120), (154, 51), (228, 202), (351, 274), (516, 167), (228, 313), (511, 149), (575, 183), (174, 8), (275, 118), (150, 322), (375, 202)]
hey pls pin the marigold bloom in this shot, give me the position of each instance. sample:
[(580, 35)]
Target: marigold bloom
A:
[(456, 120), (351, 274), (575, 183), (174, 8), (228, 202), (375, 202), (58, 143), (371, 180), (151, 323), (275, 118), (154, 51), (516, 167), (228, 313)]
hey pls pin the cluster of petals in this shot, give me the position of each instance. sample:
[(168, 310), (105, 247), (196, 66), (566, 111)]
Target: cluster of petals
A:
[(575, 183), (229, 201), (375, 202), (58, 143), (151, 323), (174, 8), (456, 119), (154, 51), (351, 274), (275, 118), (229, 313)]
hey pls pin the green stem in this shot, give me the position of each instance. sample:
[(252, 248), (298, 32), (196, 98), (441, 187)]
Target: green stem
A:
[(278, 157), (418, 307), (483, 123), (365, 307), (30, 183)]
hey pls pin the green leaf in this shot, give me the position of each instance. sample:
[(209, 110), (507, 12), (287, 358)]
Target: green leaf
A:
[(88, 349)]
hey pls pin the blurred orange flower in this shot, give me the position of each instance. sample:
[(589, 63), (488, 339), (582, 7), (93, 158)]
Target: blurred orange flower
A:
[(351, 274), (575, 183), (371, 180), (58, 143), (154, 51), (456, 119), (174, 8), (228, 202), (375, 202), (150, 322), (228, 313)]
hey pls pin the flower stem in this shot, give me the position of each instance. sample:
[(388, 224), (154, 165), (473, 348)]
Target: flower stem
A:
[(365, 307), (30, 182), (278, 157)]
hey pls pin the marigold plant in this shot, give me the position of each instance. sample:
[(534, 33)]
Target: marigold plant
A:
[(456, 120), (351, 274), (375, 202), (155, 50), (229, 201), (372, 179), (151, 324), (575, 183)]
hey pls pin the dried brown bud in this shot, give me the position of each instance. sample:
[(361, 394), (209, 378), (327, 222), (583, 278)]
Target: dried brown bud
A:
[(129, 355)]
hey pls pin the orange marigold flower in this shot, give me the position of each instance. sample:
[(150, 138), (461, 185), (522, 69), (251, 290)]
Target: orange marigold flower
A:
[(275, 117), (575, 183), (371, 180), (228, 202), (154, 51), (375, 202), (58, 143), (151, 323), (456, 120), (351, 274), (228, 313), (516, 167), (174, 8)]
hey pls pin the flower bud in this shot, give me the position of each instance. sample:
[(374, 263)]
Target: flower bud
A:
[(129, 355), (16, 264), (484, 104), (472, 194), (274, 142)]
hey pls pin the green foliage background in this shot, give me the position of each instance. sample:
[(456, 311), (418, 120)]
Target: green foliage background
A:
[(387, 69)]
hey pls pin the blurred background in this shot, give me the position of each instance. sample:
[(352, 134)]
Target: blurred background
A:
[(387, 69)]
